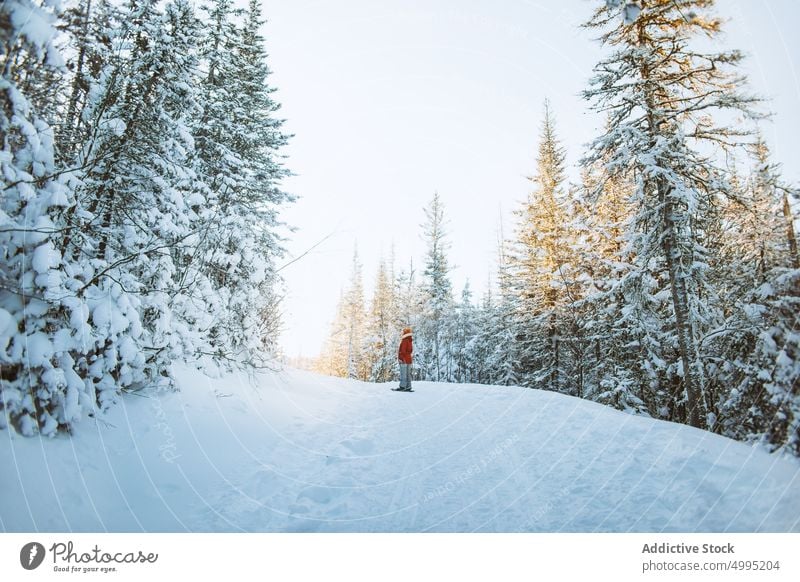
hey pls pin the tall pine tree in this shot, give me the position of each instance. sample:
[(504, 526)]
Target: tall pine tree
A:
[(436, 295), (661, 94)]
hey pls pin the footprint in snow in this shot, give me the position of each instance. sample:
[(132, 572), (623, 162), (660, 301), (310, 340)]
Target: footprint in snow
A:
[(350, 449), (357, 445), (319, 503), (317, 494)]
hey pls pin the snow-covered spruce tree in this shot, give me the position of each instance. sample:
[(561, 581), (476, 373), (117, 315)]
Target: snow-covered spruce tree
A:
[(617, 342), (409, 298), (93, 33), (574, 284), (346, 351), (464, 328), (332, 359), (431, 355), (134, 226), (112, 282), (761, 365), (239, 139), (496, 337), (478, 345), (759, 343), (587, 242), (355, 321), (790, 217), (33, 71), (768, 191), (661, 95), (753, 238), (39, 389), (89, 28), (109, 256), (382, 328), (539, 253)]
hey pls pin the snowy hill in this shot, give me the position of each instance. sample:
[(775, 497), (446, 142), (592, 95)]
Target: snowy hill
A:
[(294, 451)]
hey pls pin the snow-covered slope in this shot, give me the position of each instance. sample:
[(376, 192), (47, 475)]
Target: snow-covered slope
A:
[(294, 451)]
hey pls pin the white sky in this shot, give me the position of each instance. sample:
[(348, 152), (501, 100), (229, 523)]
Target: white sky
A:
[(392, 100)]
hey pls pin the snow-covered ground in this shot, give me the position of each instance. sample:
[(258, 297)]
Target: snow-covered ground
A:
[(293, 451)]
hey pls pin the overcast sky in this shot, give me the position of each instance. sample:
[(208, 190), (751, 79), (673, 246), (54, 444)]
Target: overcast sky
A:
[(390, 101)]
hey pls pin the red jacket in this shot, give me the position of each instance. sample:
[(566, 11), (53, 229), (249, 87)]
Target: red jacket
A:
[(404, 353)]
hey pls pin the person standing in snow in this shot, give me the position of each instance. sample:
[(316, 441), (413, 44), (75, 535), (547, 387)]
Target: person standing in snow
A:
[(404, 357)]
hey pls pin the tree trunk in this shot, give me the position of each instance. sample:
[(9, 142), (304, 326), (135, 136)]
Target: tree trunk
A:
[(70, 130), (556, 365), (790, 235), (436, 349), (692, 370), (597, 364)]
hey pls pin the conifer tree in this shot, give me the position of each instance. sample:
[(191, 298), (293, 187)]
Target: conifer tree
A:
[(239, 139), (119, 212), (498, 333), (90, 28), (464, 329), (538, 260), (39, 390), (382, 328), (436, 295), (758, 341), (354, 314), (661, 95), (617, 344)]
